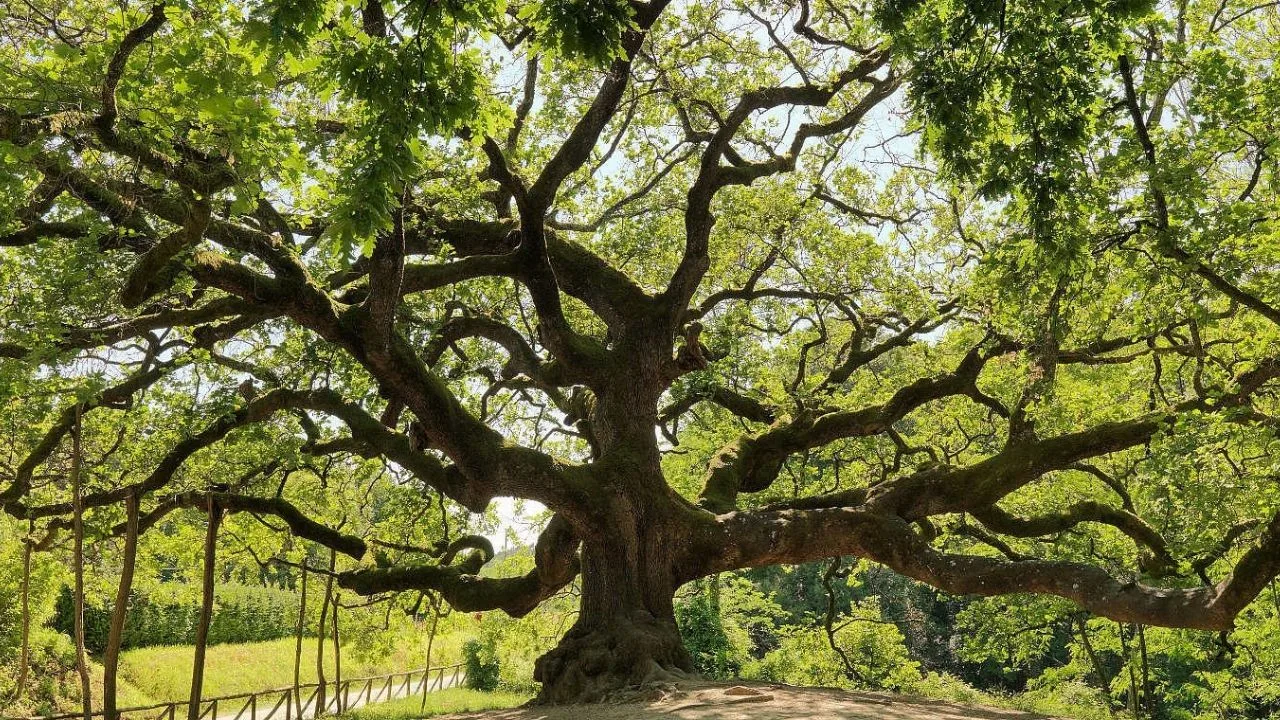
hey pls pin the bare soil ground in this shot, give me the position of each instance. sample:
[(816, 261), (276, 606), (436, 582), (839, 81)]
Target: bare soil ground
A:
[(718, 701)]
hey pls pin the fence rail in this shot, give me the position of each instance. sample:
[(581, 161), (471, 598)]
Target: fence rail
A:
[(335, 697)]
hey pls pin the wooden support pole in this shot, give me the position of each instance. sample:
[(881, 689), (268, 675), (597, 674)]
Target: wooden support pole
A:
[(77, 523), (431, 639), (206, 610), (297, 649), (1135, 708), (1104, 681), (337, 649), (321, 699), (115, 636), (1147, 701), (24, 655)]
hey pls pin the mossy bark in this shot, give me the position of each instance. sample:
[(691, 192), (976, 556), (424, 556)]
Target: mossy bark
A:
[(626, 634)]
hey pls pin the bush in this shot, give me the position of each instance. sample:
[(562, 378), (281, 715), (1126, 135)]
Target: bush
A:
[(168, 614), (705, 638), (880, 660), (49, 684), (481, 661), (943, 686)]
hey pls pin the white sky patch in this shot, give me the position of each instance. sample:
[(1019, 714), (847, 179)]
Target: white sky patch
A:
[(519, 522)]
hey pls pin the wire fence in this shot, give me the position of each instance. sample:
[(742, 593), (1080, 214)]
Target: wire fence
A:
[(292, 703)]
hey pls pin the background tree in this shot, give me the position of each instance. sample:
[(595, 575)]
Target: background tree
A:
[(979, 291)]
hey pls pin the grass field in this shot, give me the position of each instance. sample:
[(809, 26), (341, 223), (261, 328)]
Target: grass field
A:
[(127, 694), (150, 676), (161, 674), (453, 700)]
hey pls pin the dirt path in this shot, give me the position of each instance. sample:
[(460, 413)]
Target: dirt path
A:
[(706, 701)]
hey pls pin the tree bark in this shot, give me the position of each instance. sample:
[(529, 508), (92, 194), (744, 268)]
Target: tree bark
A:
[(206, 610), (111, 657), (626, 634), (77, 496)]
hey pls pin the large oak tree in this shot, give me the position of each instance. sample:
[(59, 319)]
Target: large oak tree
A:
[(984, 292)]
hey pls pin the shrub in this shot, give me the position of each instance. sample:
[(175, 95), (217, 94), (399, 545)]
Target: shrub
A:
[(481, 660)]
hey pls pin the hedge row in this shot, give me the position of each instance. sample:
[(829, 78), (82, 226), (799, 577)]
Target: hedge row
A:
[(167, 615)]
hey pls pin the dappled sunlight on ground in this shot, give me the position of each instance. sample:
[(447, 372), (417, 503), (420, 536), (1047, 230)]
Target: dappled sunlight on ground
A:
[(710, 701)]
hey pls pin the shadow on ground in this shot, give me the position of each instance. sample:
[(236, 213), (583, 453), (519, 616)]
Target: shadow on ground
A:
[(708, 701)]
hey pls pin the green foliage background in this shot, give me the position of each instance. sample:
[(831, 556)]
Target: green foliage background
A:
[(1025, 177)]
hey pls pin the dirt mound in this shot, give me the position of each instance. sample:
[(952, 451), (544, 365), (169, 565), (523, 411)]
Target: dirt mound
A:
[(709, 701)]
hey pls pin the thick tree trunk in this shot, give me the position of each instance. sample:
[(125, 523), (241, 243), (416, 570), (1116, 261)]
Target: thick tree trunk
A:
[(626, 634)]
